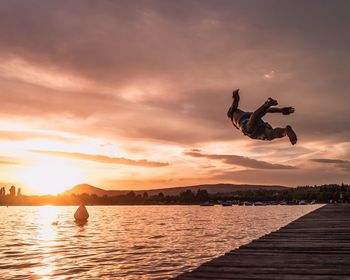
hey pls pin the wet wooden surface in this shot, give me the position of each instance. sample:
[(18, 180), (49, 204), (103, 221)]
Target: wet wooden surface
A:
[(316, 246)]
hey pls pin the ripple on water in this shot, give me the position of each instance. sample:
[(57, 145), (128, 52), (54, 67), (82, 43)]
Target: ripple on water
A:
[(128, 242)]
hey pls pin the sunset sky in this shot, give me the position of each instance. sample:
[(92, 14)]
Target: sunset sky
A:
[(134, 94)]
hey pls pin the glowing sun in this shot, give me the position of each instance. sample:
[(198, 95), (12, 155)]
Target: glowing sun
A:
[(50, 176)]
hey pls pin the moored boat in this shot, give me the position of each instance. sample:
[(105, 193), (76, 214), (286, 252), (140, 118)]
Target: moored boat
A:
[(226, 204), (207, 204), (259, 203)]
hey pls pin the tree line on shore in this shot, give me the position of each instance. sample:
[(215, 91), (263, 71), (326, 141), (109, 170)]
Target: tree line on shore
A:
[(320, 194), (12, 191)]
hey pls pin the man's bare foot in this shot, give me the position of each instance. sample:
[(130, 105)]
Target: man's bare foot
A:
[(288, 110), (291, 135), (271, 102)]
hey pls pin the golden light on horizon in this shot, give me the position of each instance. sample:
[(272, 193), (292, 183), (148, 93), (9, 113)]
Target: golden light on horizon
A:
[(50, 176)]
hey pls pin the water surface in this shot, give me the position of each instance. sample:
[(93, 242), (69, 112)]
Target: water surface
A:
[(128, 242)]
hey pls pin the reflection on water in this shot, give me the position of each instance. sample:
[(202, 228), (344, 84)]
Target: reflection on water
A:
[(47, 237), (127, 242)]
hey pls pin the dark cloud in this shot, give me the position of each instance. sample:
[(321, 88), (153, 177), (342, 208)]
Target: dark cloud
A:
[(196, 51), (162, 72), (241, 161), (325, 160), (343, 164), (103, 159), (278, 152), (292, 178)]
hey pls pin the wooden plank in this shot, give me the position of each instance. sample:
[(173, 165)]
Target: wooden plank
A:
[(225, 276), (316, 246)]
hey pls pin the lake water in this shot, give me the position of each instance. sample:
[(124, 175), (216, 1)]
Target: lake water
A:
[(128, 242)]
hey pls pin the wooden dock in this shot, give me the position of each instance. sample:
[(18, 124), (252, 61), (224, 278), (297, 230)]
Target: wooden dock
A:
[(316, 246)]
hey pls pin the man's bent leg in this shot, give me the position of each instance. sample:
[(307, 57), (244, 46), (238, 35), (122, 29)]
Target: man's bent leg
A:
[(279, 132), (259, 113), (291, 135), (275, 133)]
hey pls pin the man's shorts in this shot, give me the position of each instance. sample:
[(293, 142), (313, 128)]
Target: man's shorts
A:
[(259, 129)]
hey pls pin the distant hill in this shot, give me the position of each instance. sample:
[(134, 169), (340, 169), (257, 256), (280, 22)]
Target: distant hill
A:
[(88, 189), (211, 188)]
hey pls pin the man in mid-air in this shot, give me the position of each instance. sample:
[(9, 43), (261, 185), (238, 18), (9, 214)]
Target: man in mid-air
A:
[(252, 125)]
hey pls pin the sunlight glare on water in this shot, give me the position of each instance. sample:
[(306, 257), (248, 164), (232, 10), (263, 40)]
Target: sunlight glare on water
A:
[(128, 242), (48, 240)]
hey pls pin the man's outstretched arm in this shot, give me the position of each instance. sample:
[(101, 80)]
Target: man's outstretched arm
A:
[(284, 110), (235, 97), (234, 106)]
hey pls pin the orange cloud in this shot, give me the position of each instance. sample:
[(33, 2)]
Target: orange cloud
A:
[(103, 159), (240, 160), (7, 160)]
